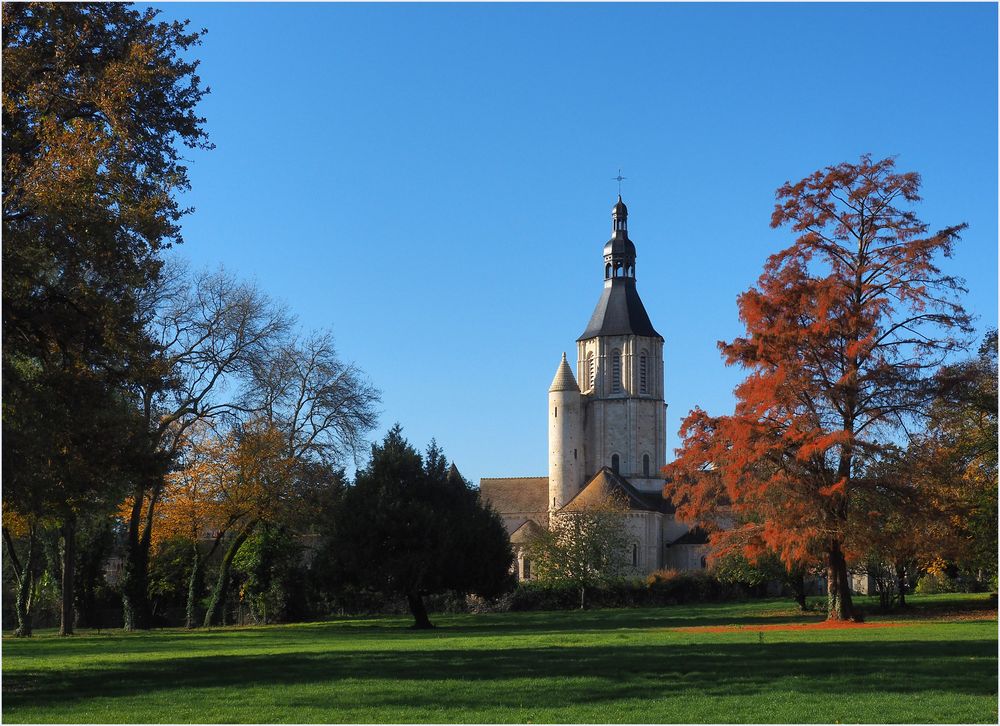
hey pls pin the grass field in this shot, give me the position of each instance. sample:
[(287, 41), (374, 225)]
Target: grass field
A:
[(938, 665)]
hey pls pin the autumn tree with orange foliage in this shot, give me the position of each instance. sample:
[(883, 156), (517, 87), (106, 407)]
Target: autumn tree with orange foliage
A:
[(308, 411), (933, 505), (956, 460), (903, 520), (303, 411), (261, 478), (209, 329), (844, 331), (193, 506), (99, 104), (226, 482)]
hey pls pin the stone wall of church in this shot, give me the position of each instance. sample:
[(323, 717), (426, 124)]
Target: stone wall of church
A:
[(649, 533), (626, 422), (681, 556), (685, 557), (672, 529), (643, 530), (625, 427)]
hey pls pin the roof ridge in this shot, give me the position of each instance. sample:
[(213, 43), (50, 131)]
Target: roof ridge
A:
[(497, 478)]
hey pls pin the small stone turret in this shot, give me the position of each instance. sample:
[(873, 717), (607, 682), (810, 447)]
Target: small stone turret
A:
[(566, 458)]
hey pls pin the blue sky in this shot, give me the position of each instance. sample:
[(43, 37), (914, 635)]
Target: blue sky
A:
[(434, 182)]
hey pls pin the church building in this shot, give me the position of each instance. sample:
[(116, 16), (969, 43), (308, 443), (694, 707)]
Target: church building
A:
[(607, 428)]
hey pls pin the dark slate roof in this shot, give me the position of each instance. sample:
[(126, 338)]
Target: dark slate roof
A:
[(620, 244), (619, 312), (657, 502), (606, 481), (696, 536)]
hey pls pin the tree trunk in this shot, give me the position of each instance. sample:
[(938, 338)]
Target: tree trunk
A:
[(52, 562), (885, 594), (901, 583), (839, 603), (583, 596), (798, 584), (26, 589), (68, 570), (25, 580), (421, 621), (194, 586), (196, 583), (219, 593), (93, 542), (135, 599)]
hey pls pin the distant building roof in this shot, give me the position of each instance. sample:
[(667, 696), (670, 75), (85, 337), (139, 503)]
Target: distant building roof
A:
[(517, 499), (619, 311)]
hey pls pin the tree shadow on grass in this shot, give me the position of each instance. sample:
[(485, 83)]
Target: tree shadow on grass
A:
[(626, 619), (397, 628), (588, 621), (560, 676)]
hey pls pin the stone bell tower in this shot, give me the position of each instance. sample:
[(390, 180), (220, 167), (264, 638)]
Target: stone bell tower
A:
[(620, 370)]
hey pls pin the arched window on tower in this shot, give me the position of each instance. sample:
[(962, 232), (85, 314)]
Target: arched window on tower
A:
[(635, 555), (591, 371), (616, 371), (615, 463), (643, 372)]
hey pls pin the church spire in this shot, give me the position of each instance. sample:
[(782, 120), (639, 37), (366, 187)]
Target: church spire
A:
[(619, 311), (619, 252)]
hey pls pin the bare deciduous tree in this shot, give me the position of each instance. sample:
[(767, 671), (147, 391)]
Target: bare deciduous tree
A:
[(212, 331), (324, 406), (319, 409)]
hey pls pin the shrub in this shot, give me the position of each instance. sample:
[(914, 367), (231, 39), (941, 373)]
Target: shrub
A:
[(663, 587), (271, 578), (477, 605), (935, 582), (535, 595), (667, 587), (446, 602)]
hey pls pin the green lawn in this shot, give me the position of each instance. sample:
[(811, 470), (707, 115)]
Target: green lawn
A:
[(597, 666)]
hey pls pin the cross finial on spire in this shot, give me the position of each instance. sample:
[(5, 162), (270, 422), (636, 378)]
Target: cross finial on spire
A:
[(620, 179)]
